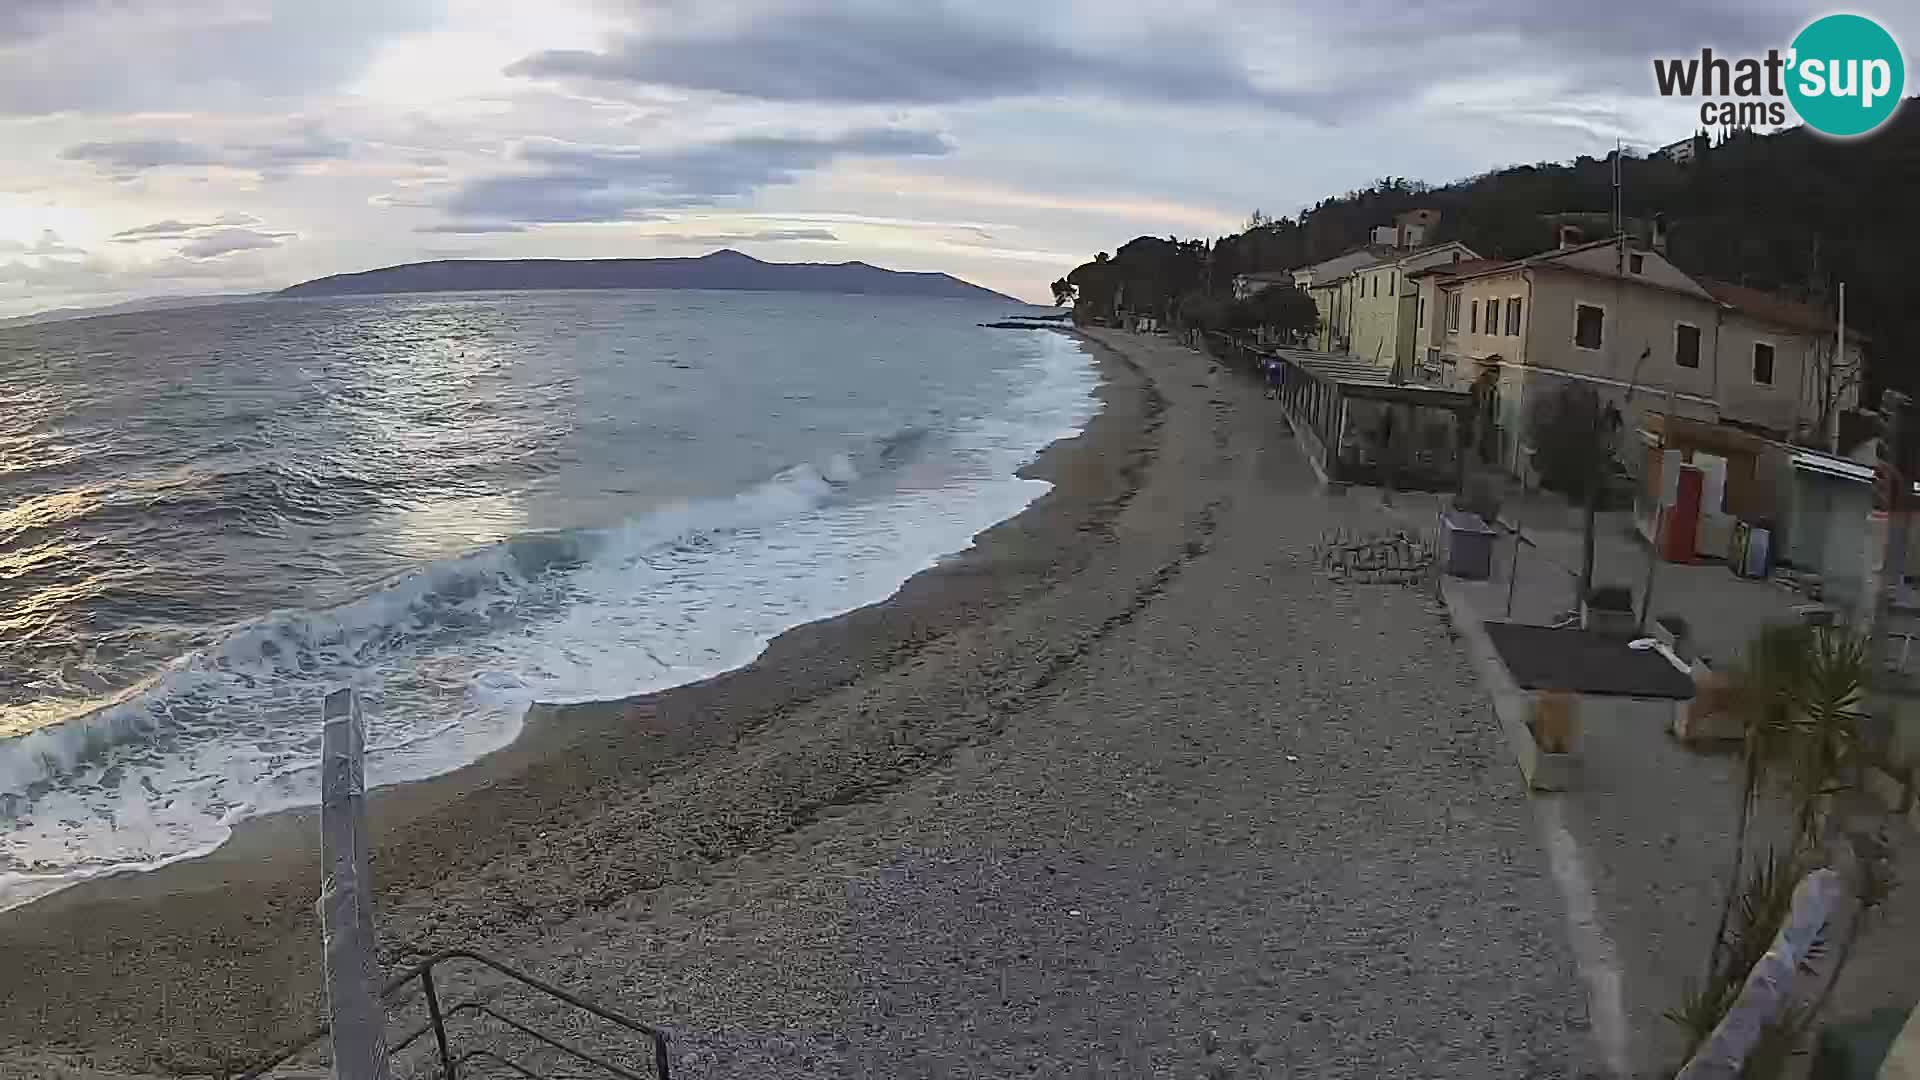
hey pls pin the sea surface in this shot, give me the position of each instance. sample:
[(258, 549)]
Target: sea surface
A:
[(460, 504)]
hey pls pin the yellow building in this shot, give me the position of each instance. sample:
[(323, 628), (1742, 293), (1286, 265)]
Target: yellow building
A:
[(1323, 281), (1379, 302)]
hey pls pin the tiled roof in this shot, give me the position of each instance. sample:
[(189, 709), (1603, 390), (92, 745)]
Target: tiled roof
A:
[(1773, 308), (1463, 268)]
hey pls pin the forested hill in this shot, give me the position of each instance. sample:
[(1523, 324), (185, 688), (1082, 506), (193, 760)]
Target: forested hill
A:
[(724, 269), (1791, 211)]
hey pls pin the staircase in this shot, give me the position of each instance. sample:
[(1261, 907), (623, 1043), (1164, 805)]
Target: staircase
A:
[(456, 1027)]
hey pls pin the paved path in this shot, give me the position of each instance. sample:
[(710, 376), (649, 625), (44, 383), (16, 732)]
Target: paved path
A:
[(1253, 823)]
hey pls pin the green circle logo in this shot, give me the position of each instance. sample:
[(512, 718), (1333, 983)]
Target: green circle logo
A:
[(1845, 75)]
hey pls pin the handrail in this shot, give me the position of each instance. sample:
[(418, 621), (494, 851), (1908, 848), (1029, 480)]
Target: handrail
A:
[(438, 1017)]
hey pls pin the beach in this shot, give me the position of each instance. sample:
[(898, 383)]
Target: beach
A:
[(1128, 787)]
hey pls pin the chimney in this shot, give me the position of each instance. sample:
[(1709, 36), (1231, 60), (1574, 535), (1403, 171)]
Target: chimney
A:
[(1571, 236), (1660, 234)]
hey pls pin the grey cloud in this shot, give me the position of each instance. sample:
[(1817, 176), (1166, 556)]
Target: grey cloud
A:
[(220, 242), (913, 56), (175, 229), (1594, 48), (71, 55), (170, 229), (576, 184), (762, 236), (1361, 52), (125, 158), (471, 228), (30, 18), (134, 155)]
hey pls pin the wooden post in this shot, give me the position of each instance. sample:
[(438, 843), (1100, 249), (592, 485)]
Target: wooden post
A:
[(359, 1023)]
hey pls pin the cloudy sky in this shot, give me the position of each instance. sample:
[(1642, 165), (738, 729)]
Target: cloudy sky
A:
[(196, 146)]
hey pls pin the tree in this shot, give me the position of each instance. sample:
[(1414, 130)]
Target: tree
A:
[(1798, 695), (1573, 434), (1286, 310), (1836, 380), (1064, 292), (1196, 308)]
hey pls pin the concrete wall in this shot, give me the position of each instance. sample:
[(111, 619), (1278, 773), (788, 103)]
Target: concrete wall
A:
[(1778, 404)]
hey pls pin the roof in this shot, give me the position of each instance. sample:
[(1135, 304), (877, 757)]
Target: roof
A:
[(1774, 308), (1575, 260), (1832, 465), (1342, 263), (1463, 268), (1355, 372)]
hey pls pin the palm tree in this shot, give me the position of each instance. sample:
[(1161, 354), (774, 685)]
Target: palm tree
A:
[(1765, 688), (1799, 693)]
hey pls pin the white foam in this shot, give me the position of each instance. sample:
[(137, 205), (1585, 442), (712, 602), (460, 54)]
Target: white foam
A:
[(678, 595)]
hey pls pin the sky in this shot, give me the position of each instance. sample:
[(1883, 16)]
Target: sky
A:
[(162, 147)]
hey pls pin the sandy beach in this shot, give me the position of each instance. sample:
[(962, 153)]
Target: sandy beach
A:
[(1128, 788)]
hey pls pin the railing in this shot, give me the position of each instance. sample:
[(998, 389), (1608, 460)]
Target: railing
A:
[(357, 1028), (452, 1064)]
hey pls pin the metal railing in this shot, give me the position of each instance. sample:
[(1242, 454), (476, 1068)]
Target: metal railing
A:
[(452, 1065)]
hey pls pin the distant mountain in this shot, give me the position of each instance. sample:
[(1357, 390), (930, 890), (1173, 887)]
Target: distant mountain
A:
[(128, 307), (723, 269)]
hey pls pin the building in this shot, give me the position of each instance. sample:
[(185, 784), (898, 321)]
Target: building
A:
[(1629, 323), (1322, 280), (1414, 228), (1245, 285), (1685, 151), (1410, 229), (1379, 303)]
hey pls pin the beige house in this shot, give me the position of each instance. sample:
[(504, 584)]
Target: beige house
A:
[(1629, 323)]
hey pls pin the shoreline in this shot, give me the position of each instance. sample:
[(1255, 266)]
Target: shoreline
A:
[(1063, 398), (212, 959)]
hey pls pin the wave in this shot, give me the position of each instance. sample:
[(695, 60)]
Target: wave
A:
[(449, 656), (472, 593)]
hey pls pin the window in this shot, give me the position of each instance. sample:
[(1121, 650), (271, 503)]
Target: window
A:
[(1390, 276), (1636, 262), (1686, 345), (1763, 363), (1453, 311), (1588, 325), (1513, 316), (1492, 325), (1420, 312), (1473, 318)]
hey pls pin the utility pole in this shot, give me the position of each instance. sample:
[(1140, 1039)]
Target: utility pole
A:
[(1887, 538), (1601, 454), (1830, 392), (1659, 520)]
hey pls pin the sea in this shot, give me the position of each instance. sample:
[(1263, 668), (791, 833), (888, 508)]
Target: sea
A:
[(459, 504)]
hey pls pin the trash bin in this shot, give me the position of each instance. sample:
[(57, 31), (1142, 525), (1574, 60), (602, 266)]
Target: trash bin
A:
[(1750, 553), (1469, 545)]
